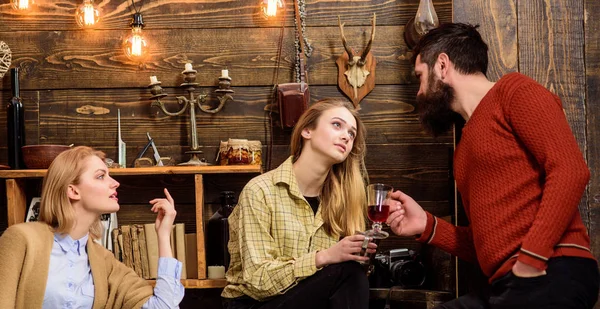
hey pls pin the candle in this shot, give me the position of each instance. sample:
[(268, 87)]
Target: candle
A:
[(224, 73), (188, 66), (153, 80), (216, 272)]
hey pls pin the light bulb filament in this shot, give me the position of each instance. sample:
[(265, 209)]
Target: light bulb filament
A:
[(88, 14), (23, 4)]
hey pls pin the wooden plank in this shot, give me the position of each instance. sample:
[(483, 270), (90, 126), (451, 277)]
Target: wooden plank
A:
[(199, 189), (76, 59), (389, 113), (498, 28), (199, 283), (157, 170), (592, 70), (203, 14), (551, 51), (16, 201)]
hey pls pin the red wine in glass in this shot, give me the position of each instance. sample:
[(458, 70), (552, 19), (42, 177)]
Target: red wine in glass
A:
[(378, 213)]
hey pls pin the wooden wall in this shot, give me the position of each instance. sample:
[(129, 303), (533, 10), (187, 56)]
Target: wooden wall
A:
[(66, 69), (555, 42)]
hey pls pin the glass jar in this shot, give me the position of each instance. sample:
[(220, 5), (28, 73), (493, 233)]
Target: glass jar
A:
[(255, 148), (238, 152)]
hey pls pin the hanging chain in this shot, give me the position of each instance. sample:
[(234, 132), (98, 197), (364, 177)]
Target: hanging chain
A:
[(308, 49)]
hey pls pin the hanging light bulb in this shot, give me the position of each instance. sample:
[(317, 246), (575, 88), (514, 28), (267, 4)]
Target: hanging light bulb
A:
[(136, 46), (21, 4), (269, 8), (425, 20), (87, 15)]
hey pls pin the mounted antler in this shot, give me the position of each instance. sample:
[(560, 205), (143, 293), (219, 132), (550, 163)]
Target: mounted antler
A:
[(348, 50), (357, 68), (363, 57)]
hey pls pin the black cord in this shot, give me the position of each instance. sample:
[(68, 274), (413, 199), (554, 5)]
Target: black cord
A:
[(135, 8)]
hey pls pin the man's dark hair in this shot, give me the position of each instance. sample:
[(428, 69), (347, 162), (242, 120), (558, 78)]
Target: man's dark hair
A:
[(461, 42)]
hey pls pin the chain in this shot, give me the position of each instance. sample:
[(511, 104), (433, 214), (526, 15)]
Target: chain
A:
[(308, 49)]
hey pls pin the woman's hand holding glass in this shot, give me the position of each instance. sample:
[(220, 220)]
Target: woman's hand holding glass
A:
[(347, 249)]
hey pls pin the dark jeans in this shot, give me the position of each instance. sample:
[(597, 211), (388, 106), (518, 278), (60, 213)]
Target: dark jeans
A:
[(570, 282), (343, 285)]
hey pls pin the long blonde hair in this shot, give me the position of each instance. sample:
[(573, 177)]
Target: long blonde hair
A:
[(343, 197), (55, 207)]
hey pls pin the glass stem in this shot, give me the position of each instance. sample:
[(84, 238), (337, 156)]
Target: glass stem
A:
[(377, 226)]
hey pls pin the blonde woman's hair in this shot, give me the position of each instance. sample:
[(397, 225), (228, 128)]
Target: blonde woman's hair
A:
[(343, 197), (55, 206)]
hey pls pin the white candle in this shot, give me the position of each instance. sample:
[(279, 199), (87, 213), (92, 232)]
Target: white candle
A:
[(224, 73), (188, 66), (216, 272), (153, 80)]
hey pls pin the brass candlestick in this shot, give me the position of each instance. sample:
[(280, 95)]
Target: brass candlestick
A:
[(189, 76)]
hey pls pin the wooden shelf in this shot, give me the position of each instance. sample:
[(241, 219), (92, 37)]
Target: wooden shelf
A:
[(156, 170), (200, 284)]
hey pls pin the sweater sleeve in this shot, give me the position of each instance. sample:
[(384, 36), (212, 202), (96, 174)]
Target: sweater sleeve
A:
[(12, 255), (538, 120), (456, 240), (126, 289)]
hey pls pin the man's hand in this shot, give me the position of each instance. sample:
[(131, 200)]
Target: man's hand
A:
[(523, 270), (407, 217)]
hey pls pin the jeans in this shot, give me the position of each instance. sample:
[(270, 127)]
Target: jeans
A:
[(569, 283), (343, 285)]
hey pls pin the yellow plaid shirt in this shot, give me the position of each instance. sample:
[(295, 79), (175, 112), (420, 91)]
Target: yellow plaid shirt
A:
[(274, 237)]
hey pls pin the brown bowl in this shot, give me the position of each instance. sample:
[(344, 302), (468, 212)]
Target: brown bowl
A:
[(40, 156)]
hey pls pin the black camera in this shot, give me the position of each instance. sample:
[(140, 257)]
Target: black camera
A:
[(397, 267)]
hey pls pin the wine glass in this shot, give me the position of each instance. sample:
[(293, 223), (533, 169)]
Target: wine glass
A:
[(378, 208)]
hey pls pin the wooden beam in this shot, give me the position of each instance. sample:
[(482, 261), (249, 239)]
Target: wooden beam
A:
[(592, 107), (16, 201)]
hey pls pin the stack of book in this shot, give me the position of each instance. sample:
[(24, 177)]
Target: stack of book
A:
[(137, 247)]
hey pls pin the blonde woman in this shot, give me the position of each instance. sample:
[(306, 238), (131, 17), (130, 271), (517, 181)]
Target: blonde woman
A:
[(55, 263), (293, 234)]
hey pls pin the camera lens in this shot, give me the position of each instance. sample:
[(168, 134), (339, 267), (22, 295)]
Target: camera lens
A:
[(408, 274)]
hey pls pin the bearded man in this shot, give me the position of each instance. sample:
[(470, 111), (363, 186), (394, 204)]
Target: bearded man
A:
[(520, 173)]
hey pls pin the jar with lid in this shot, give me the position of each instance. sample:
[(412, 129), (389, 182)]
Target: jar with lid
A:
[(238, 151), (217, 232), (255, 148)]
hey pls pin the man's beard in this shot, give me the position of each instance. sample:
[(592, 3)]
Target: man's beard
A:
[(435, 107)]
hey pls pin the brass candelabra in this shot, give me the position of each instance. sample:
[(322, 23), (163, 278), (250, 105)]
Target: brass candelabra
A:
[(189, 77)]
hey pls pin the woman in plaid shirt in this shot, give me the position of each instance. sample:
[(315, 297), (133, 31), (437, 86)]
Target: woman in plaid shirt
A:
[(293, 235)]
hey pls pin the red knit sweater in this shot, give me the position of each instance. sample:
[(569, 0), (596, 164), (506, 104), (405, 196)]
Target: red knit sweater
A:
[(521, 176)]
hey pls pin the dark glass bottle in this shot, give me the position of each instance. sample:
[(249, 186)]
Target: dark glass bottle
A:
[(15, 124), (217, 232)]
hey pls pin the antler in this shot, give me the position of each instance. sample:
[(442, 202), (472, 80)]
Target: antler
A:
[(363, 57), (348, 50)]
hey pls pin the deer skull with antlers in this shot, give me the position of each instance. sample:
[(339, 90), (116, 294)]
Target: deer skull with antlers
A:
[(358, 70)]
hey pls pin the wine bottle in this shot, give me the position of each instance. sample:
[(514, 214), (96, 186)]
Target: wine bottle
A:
[(15, 124)]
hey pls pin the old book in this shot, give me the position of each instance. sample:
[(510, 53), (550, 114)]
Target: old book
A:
[(115, 244), (180, 247), (143, 251), (173, 247), (135, 245), (127, 251), (152, 248), (191, 256), (120, 239)]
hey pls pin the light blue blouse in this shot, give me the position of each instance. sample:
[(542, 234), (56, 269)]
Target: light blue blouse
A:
[(70, 284)]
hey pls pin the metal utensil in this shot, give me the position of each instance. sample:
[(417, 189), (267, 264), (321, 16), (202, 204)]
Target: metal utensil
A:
[(156, 155)]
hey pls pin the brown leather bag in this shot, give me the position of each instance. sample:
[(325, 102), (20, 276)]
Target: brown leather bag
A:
[(293, 98), (293, 101)]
